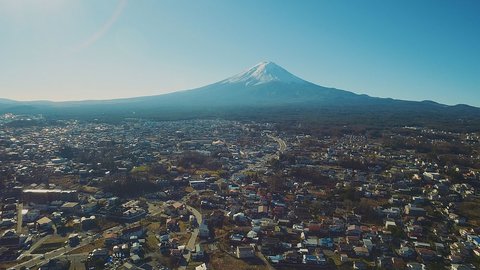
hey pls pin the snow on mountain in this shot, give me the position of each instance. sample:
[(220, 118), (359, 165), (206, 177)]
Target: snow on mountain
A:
[(261, 73)]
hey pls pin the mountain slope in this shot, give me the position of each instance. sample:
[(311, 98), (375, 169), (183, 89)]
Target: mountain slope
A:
[(265, 84), (265, 91)]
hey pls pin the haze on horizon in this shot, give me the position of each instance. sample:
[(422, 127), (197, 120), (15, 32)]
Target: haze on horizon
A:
[(77, 50)]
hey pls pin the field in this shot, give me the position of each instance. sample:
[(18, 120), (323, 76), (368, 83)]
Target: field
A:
[(219, 259), (99, 243), (52, 243), (6, 265), (469, 209)]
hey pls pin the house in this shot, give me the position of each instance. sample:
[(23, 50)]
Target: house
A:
[(384, 262), (416, 266), (406, 252), (252, 235), (71, 208), (426, 254), (216, 218), (354, 230), (292, 256), (99, 254), (177, 252), (361, 251), (135, 258), (44, 196), (411, 210), (353, 240), (73, 239), (344, 247), (178, 205), (390, 223), (245, 252), (172, 225), (236, 237), (474, 239), (88, 222), (368, 244), (170, 210), (203, 230), (311, 242), (325, 242), (136, 248), (271, 245), (164, 238), (5, 223), (90, 208), (44, 223), (275, 259), (30, 215), (359, 265), (457, 219), (111, 239), (262, 210), (135, 231), (462, 267), (9, 239), (198, 254), (202, 266), (198, 184), (310, 259)]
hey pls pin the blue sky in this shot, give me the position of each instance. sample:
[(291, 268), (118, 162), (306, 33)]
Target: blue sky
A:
[(90, 49)]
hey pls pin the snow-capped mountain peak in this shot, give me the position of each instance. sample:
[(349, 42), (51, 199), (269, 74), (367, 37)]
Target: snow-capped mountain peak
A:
[(264, 72)]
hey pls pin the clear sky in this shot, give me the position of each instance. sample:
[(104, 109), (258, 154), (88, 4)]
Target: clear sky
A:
[(91, 49)]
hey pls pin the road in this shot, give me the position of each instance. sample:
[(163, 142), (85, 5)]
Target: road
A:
[(262, 163), (77, 261), (39, 259), (193, 238), (282, 145), (34, 246)]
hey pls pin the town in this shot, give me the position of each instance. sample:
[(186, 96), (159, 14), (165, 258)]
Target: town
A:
[(212, 194)]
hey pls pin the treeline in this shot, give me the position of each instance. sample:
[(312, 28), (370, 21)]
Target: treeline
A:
[(196, 160), (129, 185), (382, 115), (105, 157), (422, 145), (310, 175)]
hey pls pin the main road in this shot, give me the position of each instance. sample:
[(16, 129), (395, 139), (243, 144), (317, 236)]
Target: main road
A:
[(193, 238), (282, 145), (38, 259)]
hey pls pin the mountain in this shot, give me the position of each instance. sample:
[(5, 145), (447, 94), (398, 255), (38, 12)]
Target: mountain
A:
[(265, 84), (264, 91)]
